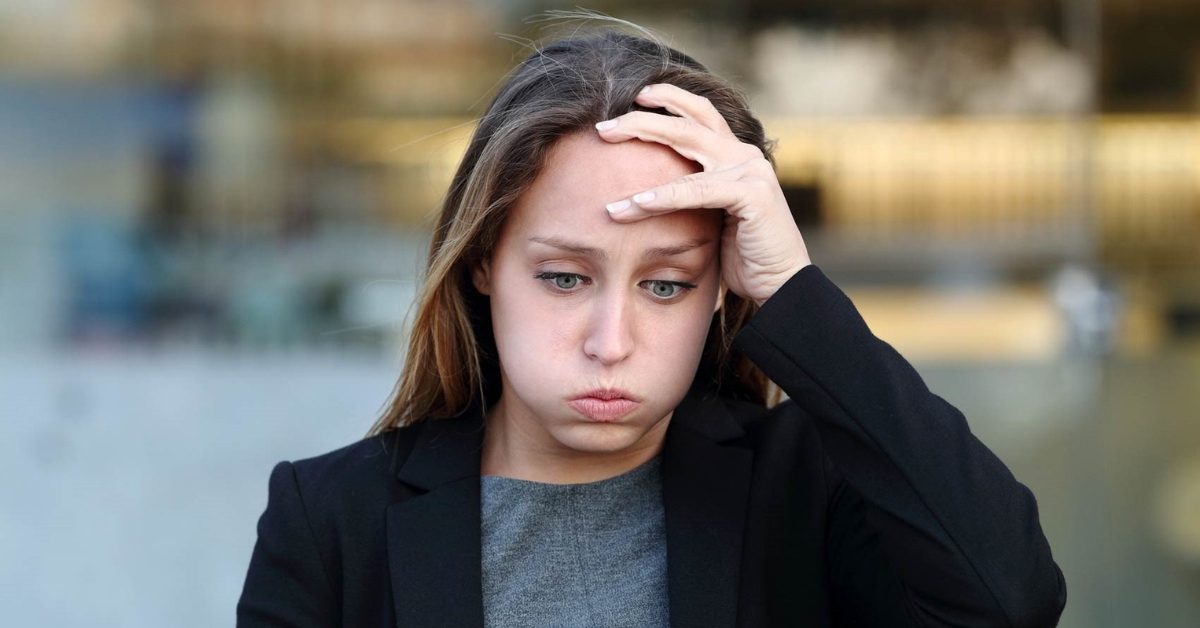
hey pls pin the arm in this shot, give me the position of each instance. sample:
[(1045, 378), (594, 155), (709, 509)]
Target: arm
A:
[(907, 480), (286, 584)]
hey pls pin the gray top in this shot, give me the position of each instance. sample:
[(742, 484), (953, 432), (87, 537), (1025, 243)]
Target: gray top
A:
[(590, 554)]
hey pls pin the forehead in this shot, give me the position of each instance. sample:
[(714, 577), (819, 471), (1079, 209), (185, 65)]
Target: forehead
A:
[(582, 173)]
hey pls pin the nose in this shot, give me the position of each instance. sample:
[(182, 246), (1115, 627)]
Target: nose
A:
[(610, 334)]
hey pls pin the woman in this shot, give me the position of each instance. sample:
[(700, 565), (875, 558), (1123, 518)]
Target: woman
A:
[(584, 432)]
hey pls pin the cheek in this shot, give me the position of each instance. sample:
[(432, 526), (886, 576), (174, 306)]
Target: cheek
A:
[(676, 334), (529, 329)]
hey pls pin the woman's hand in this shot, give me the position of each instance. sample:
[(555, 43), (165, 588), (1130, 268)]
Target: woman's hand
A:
[(761, 246)]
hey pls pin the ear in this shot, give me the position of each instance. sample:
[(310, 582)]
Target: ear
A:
[(481, 276), (720, 297)]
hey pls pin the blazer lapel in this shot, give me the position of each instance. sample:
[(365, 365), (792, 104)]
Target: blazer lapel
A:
[(434, 542), (705, 494), (434, 548)]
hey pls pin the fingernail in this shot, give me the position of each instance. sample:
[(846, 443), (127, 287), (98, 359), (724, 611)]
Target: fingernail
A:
[(606, 125), (645, 90), (643, 197), (617, 207)]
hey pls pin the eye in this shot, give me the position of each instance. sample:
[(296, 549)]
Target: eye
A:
[(665, 290), (564, 282)]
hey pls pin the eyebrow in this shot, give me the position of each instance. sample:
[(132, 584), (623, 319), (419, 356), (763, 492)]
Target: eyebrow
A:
[(587, 251)]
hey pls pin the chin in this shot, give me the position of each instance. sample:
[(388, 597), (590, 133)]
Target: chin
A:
[(600, 438)]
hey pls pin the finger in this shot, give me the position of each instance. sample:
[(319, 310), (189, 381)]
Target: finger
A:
[(704, 190), (681, 102), (687, 137)]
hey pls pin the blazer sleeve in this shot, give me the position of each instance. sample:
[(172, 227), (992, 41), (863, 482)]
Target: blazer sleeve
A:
[(908, 482), (286, 583)]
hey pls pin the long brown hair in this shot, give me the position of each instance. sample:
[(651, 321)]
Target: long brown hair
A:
[(563, 87)]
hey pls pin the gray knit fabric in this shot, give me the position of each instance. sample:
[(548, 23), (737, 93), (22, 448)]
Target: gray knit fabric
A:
[(590, 554)]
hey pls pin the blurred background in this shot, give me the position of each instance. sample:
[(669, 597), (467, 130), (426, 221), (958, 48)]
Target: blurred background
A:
[(213, 215)]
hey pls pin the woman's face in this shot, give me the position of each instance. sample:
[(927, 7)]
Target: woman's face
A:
[(582, 303)]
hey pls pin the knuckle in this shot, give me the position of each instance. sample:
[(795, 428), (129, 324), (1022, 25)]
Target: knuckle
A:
[(761, 164), (700, 106), (699, 99), (634, 117), (672, 194), (709, 109), (753, 152)]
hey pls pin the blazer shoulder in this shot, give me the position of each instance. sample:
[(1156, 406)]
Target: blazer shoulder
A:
[(786, 417), (371, 461), (785, 429)]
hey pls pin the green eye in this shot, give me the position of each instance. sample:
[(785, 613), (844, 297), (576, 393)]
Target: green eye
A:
[(562, 282), (664, 290)]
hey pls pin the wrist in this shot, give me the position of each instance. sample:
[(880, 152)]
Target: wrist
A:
[(783, 278)]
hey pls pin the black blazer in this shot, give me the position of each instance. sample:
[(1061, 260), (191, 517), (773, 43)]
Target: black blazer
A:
[(863, 500)]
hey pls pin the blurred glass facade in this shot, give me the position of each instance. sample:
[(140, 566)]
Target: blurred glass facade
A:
[(213, 217)]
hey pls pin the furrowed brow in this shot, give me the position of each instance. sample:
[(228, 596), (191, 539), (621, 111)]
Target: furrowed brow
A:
[(587, 251), (671, 251), (571, 247)]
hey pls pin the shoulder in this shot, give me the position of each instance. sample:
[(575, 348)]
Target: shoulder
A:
[(368, 456), (784, 436), (362, 471), (786, 419)]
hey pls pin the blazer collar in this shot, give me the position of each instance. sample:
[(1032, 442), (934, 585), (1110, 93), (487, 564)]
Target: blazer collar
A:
[(445, 450), (434, 547), (433, 538)]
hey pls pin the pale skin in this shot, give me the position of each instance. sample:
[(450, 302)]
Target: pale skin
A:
[(618, 315)]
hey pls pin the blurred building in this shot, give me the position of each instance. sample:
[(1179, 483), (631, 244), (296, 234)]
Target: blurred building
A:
[(1025, 135), (210, 211)]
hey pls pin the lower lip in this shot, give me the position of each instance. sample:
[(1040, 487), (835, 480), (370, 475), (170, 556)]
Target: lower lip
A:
[(603, 410)]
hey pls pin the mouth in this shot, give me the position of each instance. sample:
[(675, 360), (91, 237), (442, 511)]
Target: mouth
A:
[(605, 405)]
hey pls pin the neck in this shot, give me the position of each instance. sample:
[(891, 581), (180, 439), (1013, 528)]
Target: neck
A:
[(524, 450)]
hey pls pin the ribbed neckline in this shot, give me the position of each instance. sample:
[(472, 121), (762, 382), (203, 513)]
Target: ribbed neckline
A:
[(629, 477)]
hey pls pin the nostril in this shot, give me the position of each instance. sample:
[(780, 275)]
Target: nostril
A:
[(610, 337), (608, 346)]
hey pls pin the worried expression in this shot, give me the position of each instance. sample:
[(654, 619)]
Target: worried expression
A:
[(599, 325)]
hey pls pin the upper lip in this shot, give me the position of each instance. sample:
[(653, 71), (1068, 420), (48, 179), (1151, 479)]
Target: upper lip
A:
[(608, 393)]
